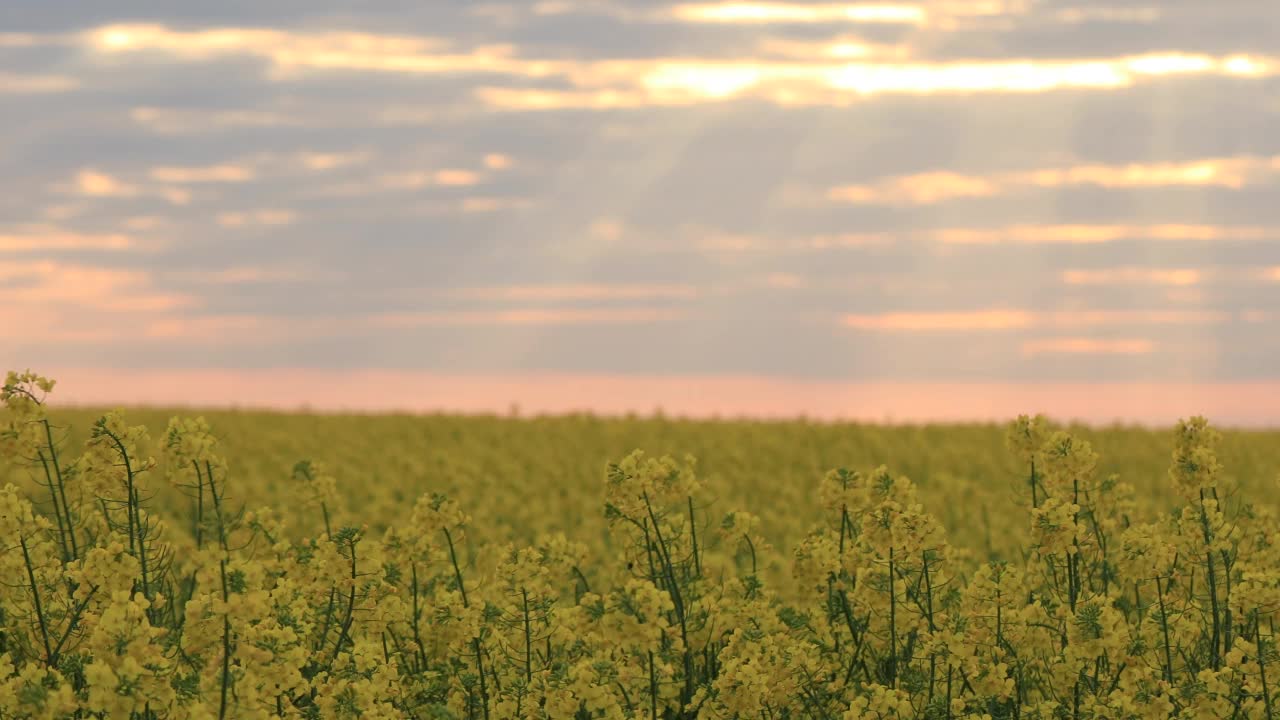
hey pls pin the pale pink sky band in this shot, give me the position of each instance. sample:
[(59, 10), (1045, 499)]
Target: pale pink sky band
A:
[(1243, 404)]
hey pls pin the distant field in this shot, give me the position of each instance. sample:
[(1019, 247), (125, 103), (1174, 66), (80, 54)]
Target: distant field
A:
[(520, 477)]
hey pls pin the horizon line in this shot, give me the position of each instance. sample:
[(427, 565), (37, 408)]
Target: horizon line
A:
[(1245, 405)]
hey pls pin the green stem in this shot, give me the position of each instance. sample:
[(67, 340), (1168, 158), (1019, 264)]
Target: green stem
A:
[(528, 640), (1262, 667), (893, 626), (35, 596), (1035, 501), (1215, 658), (226, 643), (693, 533), (62, 488), (653, 689), (57, 509), (475, 641), (199, 523), (134, 513), (1164, 627)]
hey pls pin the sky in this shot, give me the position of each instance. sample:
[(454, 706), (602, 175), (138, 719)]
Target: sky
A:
[(913, 210)]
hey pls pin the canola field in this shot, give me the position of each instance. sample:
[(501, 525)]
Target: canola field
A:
[(156, 564)]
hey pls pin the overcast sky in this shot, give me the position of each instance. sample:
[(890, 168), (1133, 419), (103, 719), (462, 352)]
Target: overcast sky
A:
[(998, 193)]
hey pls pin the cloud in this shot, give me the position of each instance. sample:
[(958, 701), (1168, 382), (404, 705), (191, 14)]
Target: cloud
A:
[(525, 99), (455, 178), (714, 241), (444, 177), (97, 184), (1008, 319), (573, 293), (1086, 346), (239, 328), (47, 283), (90, 182), (50, 239), (498, 161), (658, 81), (927, 321), (206, 174), (22, 40), (1092, 234), (529, 316), (257, 218), (249, 275), (1131, 276), (842, 48), (776, 12), (920, 189), (680, 81), (331, 160), (1119, 318), (1089, 14), (15, 84), (941, 186), (298, 50), (181, 121), (935, 14), (292, 113), (479, 204)]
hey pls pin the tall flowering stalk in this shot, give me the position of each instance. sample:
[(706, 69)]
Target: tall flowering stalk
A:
[(29, 435)]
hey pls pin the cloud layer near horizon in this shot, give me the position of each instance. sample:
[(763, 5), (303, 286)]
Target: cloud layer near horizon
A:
[(890, 192)]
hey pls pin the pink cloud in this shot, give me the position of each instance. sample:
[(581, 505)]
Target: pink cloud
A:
[(53, 239), (559, 316), (1088, 234), (1009, 319), (975, 320), (576, 292), (45, 283), (1086, 346), (1130, 276), (269, 217)]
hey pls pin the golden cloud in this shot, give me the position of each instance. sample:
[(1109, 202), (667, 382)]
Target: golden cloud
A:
[(838, 78), (934, 187), (777, 12)]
